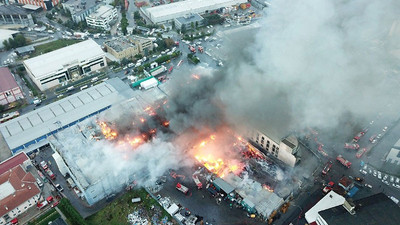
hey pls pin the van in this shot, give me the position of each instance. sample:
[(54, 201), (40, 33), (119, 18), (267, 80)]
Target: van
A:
[(70, 88), (84, 87), (94, 79)]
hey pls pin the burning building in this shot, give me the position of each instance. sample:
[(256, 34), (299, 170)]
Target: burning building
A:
[(286, 149)]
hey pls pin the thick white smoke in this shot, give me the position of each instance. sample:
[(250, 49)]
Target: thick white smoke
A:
[(313, 61)]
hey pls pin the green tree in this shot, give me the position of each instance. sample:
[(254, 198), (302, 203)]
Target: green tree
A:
[(192, 25), (197, 24), (124, 23), (136, 15)]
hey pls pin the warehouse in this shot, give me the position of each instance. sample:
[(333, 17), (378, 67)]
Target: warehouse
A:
[(53, 68), (168, 12), (79, 145), (30, 131)]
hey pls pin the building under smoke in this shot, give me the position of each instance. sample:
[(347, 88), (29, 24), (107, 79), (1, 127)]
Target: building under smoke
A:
[(30, 131), (286, 149), (99, 167)]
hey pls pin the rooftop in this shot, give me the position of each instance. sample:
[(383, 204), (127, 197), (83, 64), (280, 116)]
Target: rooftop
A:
[(373, 210), (188, 5), (7, 80), (24, 129), (12, 10), (16, 186), (5, 34), (80, 6), (102, 12), (330, 200), (189, 18), (119, 44), (25, 49), (13, 162), (264, 201), (63, 57)]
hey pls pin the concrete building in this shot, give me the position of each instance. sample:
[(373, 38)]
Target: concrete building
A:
[(185, 22), (45, 4), (286, 149), (51, 69), (9, 89), (18, 188), (128, 47), (333, 209), (30, 131), (144, 44), (80, 9), (5, 35), (12, 14), (168, 12), (121, 48), (102, 17)]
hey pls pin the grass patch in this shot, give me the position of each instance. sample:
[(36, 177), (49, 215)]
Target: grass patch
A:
[(70, 212), (51, 46), (44, 219), (116, 212)]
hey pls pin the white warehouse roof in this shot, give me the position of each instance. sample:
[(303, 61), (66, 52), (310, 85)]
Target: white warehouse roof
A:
[(171, 11), (58, 59), (330, 200), (36, 125)]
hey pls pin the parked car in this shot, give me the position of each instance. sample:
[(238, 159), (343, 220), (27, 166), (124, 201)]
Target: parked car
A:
[(43, 164), (59, 188)]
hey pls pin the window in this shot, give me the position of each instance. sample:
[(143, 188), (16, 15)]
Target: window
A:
[(8, 93), (262, 145), (262, 138), (262, 141)]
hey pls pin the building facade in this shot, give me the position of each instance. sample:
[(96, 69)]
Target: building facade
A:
[(12, 14), (187, 21), (68, 63), (9, 89), (102, 17), (80, 9), (286, 150), (121, 48), (45, 4), (144, 44), (18, 188)]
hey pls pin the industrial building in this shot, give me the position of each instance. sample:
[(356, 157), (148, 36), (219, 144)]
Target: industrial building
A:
[(71, 62), (102, 17), (334, 209), (45, 4), (286, 149), (255, 198), (144, 44), (5, 35), (187, 21), (18, 188), (168, 12), (14, 15), (80, 9), (30, 131), (9, 89), (72, 159)]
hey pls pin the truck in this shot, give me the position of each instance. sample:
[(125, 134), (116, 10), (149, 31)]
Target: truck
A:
[(352, 192), (328, 187), (351, 146), (358, 136), (192, 49), (158, 70), (9, 116), (197, 181), (96, 36), (343, 161), (327, 167), (182, 188), (50, 174)]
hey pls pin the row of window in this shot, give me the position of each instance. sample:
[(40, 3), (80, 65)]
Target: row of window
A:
[(265, 143)]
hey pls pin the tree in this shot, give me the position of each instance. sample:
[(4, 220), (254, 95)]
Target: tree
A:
[(2, 108), (138, 56), (192, 25), (197, 24), (169, 42), (124, 23), (136, 15)]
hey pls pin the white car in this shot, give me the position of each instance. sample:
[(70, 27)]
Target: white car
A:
[(379, 175), (375, 173), (384, 129), (385, 177), (397, 180)]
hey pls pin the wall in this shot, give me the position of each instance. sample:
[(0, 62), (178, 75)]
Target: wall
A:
[(21, 208)]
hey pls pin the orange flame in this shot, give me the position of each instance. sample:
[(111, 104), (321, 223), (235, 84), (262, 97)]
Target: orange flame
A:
[(108, 133)]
